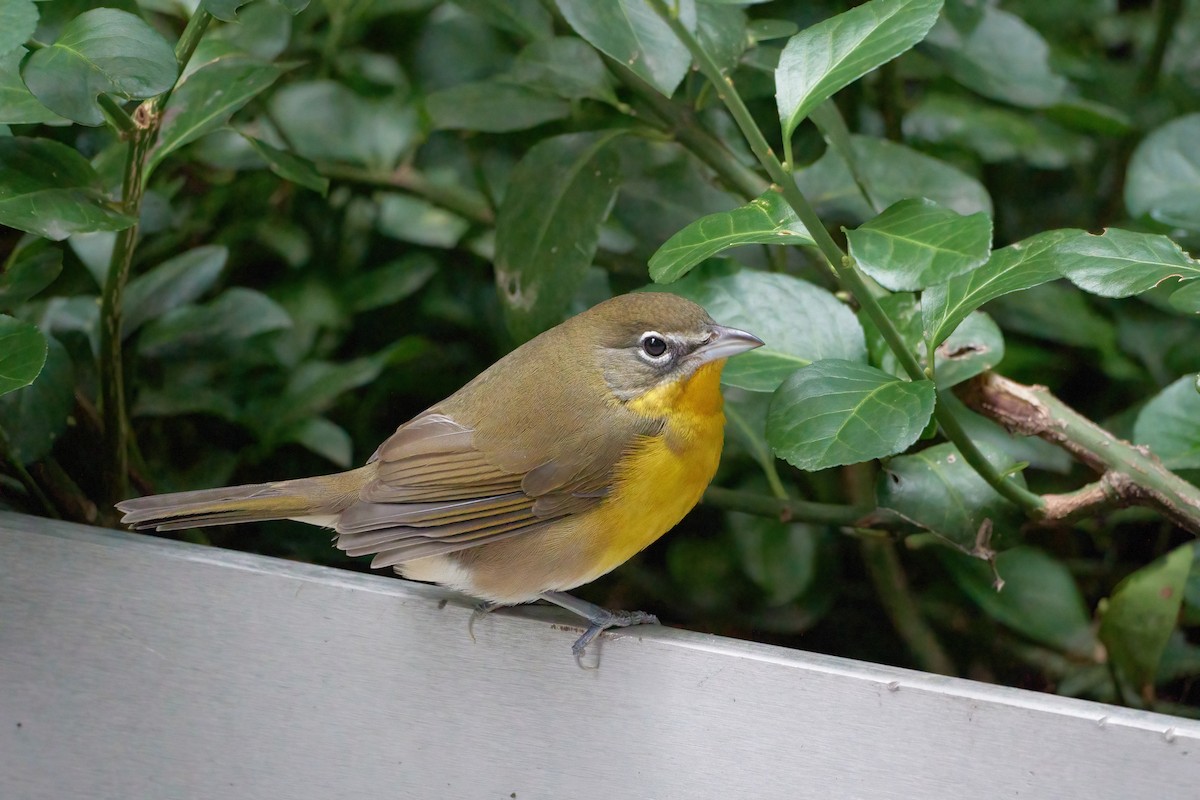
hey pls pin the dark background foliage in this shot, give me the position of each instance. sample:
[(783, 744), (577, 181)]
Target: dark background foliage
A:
[(349, 201)]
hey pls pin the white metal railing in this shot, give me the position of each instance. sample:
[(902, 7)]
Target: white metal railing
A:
[(133, 667)]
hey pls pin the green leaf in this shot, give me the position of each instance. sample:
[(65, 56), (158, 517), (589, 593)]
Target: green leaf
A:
[(206, 99), (1138, 619), (17, 104), (721, 31), (31, 267), (800, 322), (225, 10), (1039, 598), (767, 219), (998, 55), (325, 439), (894, 172), (976, 346), (33, 417), (548, 226), (834, 53), (493, 107), (630, 32), (326, 121), (103, 51), (1163, 180), (49, 189), (836, 412), (938, 490), (526, 18), (18, 21), (1010, 269), (781, 558), (1187, 298), (390, 283), (290, 167), (411, 219), (235, 315), (22, 353), (1121, 263), (916, 243), (173, 283), (1170, 425), (565, 66)]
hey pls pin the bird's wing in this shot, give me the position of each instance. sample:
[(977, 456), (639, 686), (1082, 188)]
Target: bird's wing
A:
[(438, 489)]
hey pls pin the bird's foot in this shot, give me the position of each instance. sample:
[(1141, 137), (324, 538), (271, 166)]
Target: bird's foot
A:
[(599, 619), (481, 608)]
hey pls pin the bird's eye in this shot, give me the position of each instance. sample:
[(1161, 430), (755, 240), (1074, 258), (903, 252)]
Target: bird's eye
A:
[(654, 345)]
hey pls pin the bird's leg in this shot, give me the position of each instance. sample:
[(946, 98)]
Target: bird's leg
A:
[(481, 608), (601, 619)]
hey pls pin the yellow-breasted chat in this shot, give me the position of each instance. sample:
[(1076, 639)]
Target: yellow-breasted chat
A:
[(554, 466)]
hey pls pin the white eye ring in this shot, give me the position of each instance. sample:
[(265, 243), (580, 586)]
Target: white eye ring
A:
[(653, 346)]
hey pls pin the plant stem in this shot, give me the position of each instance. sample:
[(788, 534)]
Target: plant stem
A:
[(452, 198), (842, 265), (1169, 12), (891, 583), (1131, 475), (116, 115), (25, 478), (784, 510), (146, 121)]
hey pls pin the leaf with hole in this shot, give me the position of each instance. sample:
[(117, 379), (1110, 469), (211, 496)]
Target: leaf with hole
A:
[(835, 412), (548, 226), (102, 51), (1137, 620), (1023, 265), (1120, 263), (766, 220), (629, 31), (51, 190), (835, 52), (917, 243), (1170, 425), (22, 353)]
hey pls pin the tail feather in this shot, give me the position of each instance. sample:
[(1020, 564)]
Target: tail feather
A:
[(255, 502)]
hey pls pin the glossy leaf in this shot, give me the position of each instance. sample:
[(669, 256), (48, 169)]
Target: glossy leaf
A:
[(1163, 180), (916, 243), (766, 220), (1039, 598), (938, 490), (34, 416), (836, 412), (830, 55), (894, 172), (22, 353), (174, 283), (103, 51), (1000, 56), (31, 267), (1121, 263), (565, 66), (206, 99), (1170, 425), (17, 103), (630, 32), (235, 315), (494, 107), (800, 322), (290, 166), (1010, 269), (1138, 618), (18, 21), (721, 31), (50, 189), (548, 226)]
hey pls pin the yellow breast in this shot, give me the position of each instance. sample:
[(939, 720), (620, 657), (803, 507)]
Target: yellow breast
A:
[(664, 476)]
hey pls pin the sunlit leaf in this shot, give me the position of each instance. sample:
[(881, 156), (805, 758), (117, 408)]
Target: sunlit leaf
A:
[(102, 51), (916, 243), (830, 55), (765, 220), (836, 412)]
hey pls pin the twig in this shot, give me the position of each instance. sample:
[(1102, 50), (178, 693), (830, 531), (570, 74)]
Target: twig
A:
[(784, 510), (1130, 474), (452, 198)]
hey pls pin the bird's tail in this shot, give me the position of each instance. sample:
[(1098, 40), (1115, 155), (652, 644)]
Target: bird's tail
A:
[(313, 498)]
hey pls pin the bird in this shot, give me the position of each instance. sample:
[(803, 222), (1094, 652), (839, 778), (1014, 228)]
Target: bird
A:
[(555, 465)]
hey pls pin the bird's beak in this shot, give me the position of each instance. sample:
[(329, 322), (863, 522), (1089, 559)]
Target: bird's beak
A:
[(727, 342)]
